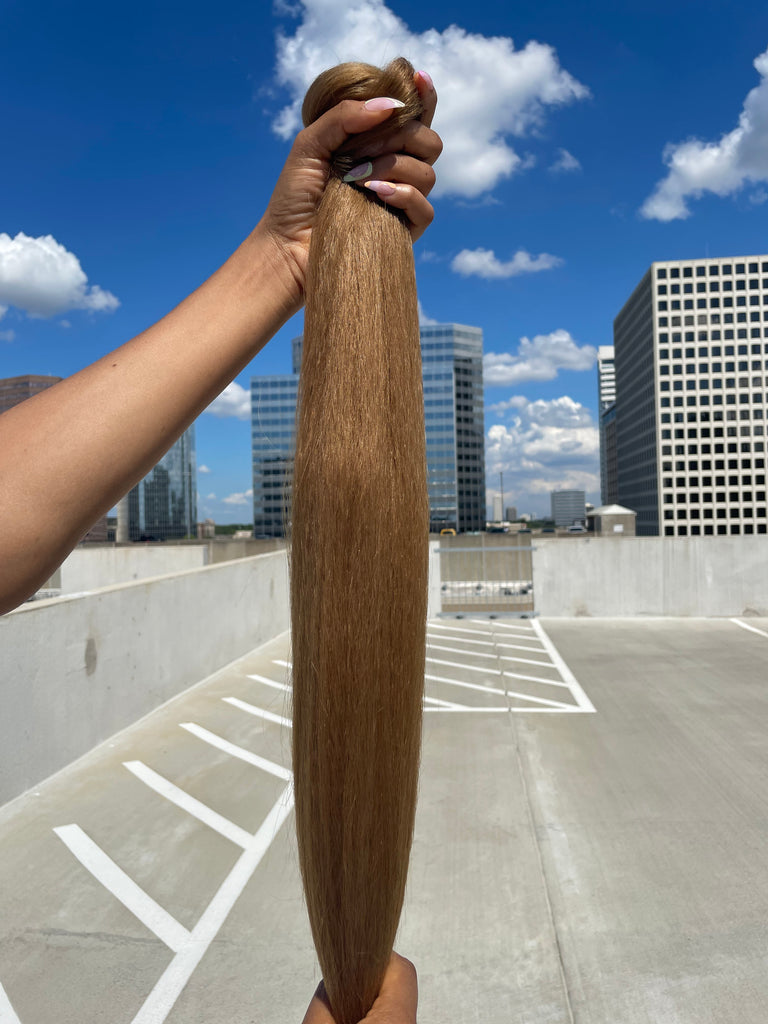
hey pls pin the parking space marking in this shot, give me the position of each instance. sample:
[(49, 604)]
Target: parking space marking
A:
[(7, 1012), (752, 629), (122, 887), (239, 752), (268, 716), (170, 985), (269, 682), (190, 804), (441, 703), (583, 701)]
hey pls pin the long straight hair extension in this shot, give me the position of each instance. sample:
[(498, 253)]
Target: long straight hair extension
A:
[(359, 561)]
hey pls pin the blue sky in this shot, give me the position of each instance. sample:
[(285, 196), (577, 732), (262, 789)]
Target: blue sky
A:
[(583, 141)]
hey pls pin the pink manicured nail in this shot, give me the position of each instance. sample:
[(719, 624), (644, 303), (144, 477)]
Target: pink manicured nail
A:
[(425, 77), (381, 188), (383, 103)]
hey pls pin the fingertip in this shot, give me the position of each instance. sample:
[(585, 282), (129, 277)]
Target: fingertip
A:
[(428, 94)]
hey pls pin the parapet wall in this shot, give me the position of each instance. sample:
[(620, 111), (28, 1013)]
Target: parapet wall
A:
[(75, 670), (627, 576)]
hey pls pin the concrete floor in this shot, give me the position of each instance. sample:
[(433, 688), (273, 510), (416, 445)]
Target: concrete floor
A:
[(591, 842)]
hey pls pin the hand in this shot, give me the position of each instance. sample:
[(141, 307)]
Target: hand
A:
[(406, 165), (396, 1003)]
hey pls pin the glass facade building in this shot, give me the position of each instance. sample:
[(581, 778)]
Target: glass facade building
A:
[(163, 506), (452, 365)]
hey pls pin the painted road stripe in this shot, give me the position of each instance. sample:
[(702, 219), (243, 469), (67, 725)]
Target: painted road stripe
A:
[(171, 983), (442, 703), (539, 700), (283, 664), (468, 668), (122, 887), (752, 629), (487, 643), (461, 650), (466, 686), (459, 629), (473, 708), (7, 1012), (268, 716), (235, 751), (580, 696), (190, 804), (270, 682)]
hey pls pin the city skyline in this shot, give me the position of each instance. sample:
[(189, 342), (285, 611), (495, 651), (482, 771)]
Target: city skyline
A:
[(578, 150)]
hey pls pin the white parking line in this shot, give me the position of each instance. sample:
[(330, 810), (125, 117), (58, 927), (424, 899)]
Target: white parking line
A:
[(752, 629), (467, 686), (270, 682), (7, 1012), (123, 888), (190, 804), (469, 668), (498, 624), (442, 703), (583, 701), (235, 751), (168, 988), (268, 716), (486, 643)]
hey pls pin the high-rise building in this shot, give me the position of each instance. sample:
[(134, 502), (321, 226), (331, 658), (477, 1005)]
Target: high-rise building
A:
[(691, 352), (568, 507), (452, 366), (14, 390), (606, 389), (163, 506)]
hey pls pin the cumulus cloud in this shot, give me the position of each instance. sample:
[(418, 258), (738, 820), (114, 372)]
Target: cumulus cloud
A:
[(489, 91), (234, 401), (41, 278), (424, 320), (484, 263), (203, 469), (565, 162), (239, 498), (539, 358), (737, 159), (544, 446)]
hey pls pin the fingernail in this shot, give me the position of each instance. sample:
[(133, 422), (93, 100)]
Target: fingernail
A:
[(381, 188), (383, 103), (361, 171), (425, 77)]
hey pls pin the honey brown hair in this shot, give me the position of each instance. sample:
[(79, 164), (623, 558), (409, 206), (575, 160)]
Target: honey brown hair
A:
[(359, 560)]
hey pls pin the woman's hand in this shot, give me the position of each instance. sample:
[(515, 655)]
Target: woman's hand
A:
[(404, 168), (396, 1003)]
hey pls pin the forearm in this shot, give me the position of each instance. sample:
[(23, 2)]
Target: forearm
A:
[(68, 454)]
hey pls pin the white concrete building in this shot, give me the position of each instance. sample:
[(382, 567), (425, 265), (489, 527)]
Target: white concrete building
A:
[(691, 353), (606, 376)]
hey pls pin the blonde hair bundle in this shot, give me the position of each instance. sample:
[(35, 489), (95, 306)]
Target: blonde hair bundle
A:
[(360, 522)]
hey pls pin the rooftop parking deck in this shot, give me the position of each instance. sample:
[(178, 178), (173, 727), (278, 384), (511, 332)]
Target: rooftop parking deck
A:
[(590, 847)]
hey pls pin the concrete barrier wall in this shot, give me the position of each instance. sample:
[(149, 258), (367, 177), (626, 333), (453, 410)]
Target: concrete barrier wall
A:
[(626, 576), (93, 566), (75, 670)]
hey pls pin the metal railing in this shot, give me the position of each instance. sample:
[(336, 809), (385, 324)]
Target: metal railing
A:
[(483, 575)]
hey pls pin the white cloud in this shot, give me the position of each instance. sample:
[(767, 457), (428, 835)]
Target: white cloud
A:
[(488, 90), (234, 401), (565, 162), (484, 263), (42, 278), (545, 446), (239, 498), (724, 167), (203, 469), (538, 359), (211, 496), (424, 320)]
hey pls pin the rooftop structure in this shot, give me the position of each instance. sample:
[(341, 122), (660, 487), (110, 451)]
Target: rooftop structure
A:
[(14, 390)]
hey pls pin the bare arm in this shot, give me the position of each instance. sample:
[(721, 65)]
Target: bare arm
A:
[(70, 453)]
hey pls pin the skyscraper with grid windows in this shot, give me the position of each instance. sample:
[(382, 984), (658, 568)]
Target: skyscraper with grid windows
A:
[(452, 369), (691, 353)]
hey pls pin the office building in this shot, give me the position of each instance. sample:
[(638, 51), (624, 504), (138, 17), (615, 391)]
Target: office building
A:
[(452, 366), (568, 507), (163, 506), (691, 354), (14, 390)]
